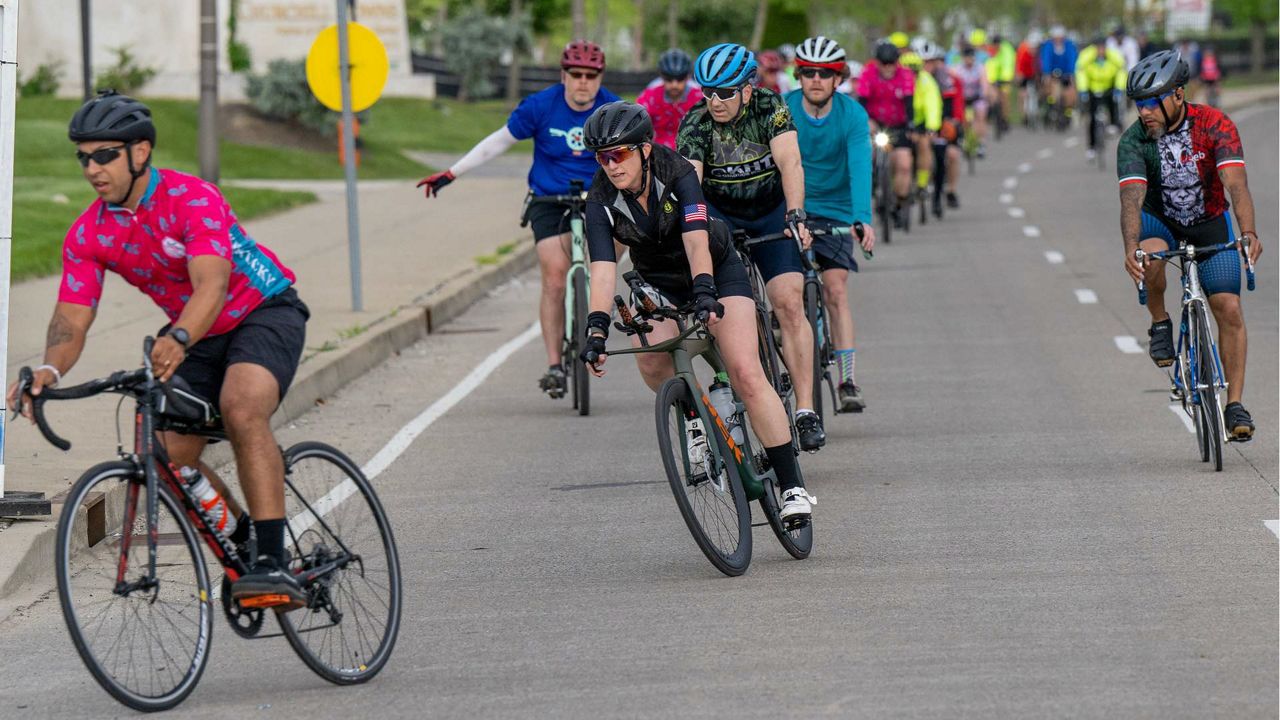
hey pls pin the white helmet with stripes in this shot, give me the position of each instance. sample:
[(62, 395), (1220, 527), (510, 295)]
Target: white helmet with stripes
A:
[(819, 51)]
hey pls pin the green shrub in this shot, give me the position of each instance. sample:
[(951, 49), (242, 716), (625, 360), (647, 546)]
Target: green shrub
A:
[(43, 82), (126, 76), (473, 46), (282, 93)]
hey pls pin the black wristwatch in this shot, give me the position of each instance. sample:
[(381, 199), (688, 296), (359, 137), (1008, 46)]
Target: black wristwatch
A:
[(181, 336)]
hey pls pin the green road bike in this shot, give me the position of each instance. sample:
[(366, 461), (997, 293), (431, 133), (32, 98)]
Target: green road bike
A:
[(715, 465), (576, 295)]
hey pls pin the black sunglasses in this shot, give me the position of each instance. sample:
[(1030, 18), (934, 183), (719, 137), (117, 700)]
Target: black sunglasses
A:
[(723, 94), (823, 73), (102, 156)]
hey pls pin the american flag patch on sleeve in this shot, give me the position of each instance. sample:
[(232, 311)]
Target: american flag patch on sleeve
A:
[(695, 213)]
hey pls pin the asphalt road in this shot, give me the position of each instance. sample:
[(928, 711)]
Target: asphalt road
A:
[(1017, 527)]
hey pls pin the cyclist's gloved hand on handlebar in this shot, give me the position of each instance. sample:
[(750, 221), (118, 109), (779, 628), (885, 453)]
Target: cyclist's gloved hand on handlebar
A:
[(42, 377), (437, 181), (593, 353), (706, 308)]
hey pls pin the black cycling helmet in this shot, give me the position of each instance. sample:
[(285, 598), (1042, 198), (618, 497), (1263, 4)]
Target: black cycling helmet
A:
[(617, 123), (675, 63), (886, 53), (112, 116), (1157, 74)]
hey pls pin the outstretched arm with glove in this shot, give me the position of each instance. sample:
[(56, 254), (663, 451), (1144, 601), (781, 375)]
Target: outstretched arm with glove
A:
[(487, 149)]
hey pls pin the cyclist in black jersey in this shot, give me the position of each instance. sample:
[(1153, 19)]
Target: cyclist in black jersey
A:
[(648, 197)]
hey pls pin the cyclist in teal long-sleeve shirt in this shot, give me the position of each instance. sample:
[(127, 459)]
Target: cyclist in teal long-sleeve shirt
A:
[(835, 147)]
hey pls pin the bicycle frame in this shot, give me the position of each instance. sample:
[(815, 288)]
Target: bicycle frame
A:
[(577, 259)]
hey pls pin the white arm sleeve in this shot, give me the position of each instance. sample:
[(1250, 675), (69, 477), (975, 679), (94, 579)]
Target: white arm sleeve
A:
[(484, 151)]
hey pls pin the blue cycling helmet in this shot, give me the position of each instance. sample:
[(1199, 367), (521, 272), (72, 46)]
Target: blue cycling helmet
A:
[(724, 65)]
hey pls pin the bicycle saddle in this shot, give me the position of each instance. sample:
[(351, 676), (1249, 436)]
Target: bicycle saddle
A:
[(179, 402)]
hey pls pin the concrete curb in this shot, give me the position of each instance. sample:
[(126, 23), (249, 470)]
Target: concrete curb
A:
[(26, 567)]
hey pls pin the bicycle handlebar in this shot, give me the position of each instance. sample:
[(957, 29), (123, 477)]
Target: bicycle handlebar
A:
[(741, 240), (1191, 252), (121, 380)]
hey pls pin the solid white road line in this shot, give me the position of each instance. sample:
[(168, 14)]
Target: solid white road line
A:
[(1010, 183), (1006, 198), (1128, 344), (1024, 168), (1086, 296), (1017, 212), (1054, 257), (410, 432), (1071, 142), (1273, 526), (1031, 231), (1045, 153), (1176, 409)]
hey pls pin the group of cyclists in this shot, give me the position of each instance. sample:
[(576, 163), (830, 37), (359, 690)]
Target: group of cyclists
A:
[(706, 151)]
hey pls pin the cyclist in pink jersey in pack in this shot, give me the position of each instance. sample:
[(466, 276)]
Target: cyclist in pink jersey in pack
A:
[(236, 326), (886, 89), (669, 99)]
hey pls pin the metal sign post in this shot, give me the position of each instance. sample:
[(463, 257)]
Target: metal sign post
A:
[(349, 156)]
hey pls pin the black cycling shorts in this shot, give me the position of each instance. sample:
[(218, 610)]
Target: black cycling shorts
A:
[(547, 220), (272, 335), (833, 252), (900, 137)]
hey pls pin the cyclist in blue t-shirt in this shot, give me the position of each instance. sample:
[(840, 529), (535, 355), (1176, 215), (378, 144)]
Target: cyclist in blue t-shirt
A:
[(835, 148), (553, 118)]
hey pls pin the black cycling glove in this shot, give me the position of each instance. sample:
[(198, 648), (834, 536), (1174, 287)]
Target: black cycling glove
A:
[(704, 298), (597, 333)]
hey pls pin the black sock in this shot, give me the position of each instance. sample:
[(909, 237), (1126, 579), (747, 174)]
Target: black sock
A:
[(241, 533), (271, 539), (783, 460)]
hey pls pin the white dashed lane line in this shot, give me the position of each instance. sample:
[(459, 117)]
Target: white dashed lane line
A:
[(1006, 198), (1054, 257), (1071, 142), (1128, 344), (1010, 183), (1273, 526), (1031, 231), (1024, 168), (1017, 212), (1045, 153), (1085, 296), (1176, 409)]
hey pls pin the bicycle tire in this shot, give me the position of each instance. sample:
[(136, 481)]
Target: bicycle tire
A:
[(799, 542), (1207, 375), (1191, 392), (812, 310), (730, 550), (886, 198), (581, 377), (308, 531), (73, 561)]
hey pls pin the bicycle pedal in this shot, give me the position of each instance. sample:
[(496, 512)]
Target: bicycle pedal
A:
[(793, 524)]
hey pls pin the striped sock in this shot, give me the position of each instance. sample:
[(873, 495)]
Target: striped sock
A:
[(845, 360)]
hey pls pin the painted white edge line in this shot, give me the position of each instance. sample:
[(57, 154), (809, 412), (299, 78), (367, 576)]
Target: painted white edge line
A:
[(1176, 409), (1128, 344), (1085, 296), (1010, 183), (1045, 153), (1017, 212), (1006, 198), (1054, 257), (1024, 168), (1031, 231), (1273, 526), (401, 441)]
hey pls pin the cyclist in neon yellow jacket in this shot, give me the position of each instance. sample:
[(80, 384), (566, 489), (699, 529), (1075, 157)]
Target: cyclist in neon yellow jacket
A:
[(1100, 75), (927, 119), (1001, 65)]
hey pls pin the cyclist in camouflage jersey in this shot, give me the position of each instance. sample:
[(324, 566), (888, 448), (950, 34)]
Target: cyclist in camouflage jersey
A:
[(743, 144), (1174, 164)]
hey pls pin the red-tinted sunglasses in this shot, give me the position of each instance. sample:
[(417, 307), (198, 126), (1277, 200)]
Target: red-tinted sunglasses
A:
[(616, 155)]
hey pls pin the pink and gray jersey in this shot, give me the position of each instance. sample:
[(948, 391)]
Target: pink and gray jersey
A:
[(885, 100), (179, 217)]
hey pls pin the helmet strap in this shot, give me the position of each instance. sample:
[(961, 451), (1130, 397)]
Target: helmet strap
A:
[(135, 173)]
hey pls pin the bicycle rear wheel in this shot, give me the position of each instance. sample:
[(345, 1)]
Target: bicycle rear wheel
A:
[(581, 377), (147, 647), (1207, 388), (708, 491), (813, 311), (348, 629)]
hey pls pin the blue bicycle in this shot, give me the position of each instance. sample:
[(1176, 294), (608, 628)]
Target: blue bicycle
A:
[(1196, 376)]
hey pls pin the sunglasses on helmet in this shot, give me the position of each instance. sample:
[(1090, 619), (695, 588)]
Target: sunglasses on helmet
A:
[(1150, 103), (102, 156), (811, 73), (723, 94), (616, 155)]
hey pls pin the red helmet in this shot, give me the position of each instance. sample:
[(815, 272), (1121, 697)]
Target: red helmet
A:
[(582, 54), (770, 61)]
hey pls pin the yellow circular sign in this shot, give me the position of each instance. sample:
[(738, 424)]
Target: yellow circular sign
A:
[(369, 67)]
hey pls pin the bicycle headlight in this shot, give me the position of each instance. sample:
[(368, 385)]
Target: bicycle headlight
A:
[(882, 140)]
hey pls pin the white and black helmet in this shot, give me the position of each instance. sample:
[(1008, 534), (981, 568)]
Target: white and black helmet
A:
[(819, 51)]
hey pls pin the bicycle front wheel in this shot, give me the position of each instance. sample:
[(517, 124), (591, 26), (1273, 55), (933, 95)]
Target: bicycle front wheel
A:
[(349, 626), (708, 491), (813, 310), (581, 377), (797, 541), (886, 201), (1207, 388), (146, 644)]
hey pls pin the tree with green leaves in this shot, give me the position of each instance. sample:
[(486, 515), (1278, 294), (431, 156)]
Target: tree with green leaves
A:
[(1259, 16)]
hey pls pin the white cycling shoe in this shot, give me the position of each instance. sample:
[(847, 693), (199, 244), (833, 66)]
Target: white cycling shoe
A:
[(797, 504)]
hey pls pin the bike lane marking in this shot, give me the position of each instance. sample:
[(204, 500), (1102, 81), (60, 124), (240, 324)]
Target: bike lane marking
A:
[(1010, 183), (1045, 153), (1031, 231), (401, 441), (1071, 142), (1054, 257), (1085, 296), (1273, 526), (1017, 212), (1176, 409), (1024, 168), (1006, 198), (1128, 344)]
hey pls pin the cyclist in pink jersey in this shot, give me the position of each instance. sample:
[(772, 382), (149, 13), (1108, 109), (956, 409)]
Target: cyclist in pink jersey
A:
[(236, 326), (669, 99), (886, 89)]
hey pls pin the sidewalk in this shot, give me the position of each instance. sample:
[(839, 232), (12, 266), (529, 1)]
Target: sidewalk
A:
[(420, 270)]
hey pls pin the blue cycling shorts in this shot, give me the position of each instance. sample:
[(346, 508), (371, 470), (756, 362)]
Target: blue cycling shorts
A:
[(1220, 273), (772, 258)]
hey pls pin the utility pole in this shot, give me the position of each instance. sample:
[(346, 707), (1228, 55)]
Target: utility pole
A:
[(86, 66), (208, 134), (349, 157)]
